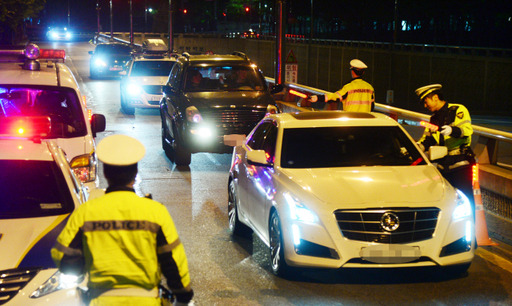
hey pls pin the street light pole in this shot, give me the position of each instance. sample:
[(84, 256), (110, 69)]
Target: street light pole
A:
[(111, 23), (98, 15), (170, 26), (131, 23)]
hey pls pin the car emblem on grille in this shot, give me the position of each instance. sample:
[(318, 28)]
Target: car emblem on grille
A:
[(389, 221)]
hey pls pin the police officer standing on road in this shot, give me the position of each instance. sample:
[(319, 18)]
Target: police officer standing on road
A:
[(356, 96), (454, 131), (123, 241)]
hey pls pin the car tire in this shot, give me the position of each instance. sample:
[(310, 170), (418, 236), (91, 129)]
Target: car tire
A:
[(125, 108), (165, 145), (182, 156), (236, 227), (277, 260)]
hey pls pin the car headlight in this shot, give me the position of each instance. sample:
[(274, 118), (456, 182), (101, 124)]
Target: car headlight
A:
[(84, 167), (299, 211), (68, 35), (57, 282), (134, 89), (463, 208), (193, 114), (100, 62)]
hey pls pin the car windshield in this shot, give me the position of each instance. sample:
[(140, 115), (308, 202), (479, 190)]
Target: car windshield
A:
[(348, 147), (61, 105), (225, 77), (33, 189), (114, 49), (151, 68)]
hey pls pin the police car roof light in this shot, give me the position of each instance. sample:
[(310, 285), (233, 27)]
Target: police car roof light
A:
[(27, 127), (52, 54)]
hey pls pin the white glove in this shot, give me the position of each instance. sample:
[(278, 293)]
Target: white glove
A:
[(446, 130)]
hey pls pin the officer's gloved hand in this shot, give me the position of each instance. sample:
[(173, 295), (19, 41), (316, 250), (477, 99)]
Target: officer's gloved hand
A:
[(446, 130)]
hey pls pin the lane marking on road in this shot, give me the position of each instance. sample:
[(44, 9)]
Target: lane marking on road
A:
[(495, 259)]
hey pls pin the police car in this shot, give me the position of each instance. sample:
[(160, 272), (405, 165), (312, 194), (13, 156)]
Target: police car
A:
[(141, 84), (36, 81), (334, 189), (39, 190)]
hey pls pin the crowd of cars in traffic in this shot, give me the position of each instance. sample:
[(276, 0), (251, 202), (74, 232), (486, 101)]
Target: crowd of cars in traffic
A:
[(324, 189)]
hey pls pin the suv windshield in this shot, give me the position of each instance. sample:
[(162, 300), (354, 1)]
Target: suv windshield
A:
[(223, 77), (114, 48), (151, 68), (348, 147), (61, 105), (33, 189)]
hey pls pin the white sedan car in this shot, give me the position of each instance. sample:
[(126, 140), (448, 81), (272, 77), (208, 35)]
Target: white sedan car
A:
[(334, 189), (39, 190)]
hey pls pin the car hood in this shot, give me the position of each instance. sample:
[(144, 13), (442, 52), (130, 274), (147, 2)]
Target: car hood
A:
[(27, 242), (215, 99), (371, 186)]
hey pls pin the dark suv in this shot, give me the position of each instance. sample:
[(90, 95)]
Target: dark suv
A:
[(207, 97)]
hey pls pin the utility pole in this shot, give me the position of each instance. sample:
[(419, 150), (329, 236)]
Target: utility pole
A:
[(131, 23), (280, 42), (170, 26), (111, 23)]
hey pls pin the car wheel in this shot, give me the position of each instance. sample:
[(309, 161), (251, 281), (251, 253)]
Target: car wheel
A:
[(125, 108), (165, 145), (277, 261), (182, 156), (236, 227)]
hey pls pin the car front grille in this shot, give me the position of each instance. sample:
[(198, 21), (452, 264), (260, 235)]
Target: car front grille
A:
[(239, 121), (153, 89), (12, 281), (414, 224)]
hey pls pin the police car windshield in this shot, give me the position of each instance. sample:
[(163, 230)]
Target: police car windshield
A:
[(348, 147), (151, 68), (33, 189), (222, 78), (61, 105)]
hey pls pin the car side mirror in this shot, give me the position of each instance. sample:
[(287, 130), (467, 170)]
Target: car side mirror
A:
[(98, 124), (437, 152), (258, 158), (276, 88)]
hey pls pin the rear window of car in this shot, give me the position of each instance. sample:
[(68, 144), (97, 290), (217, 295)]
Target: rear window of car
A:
[(348, 147), (61, 105), (32, 189), (151, 68)]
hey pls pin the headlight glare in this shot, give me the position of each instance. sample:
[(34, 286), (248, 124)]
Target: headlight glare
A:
[(298, 211), (193, 114), (57, 282), (100, 62), (463, 208), (134, 89)]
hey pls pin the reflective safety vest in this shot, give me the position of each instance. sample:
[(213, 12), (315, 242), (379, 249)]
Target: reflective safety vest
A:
[(123, 241), (357, 96), (455, 115)]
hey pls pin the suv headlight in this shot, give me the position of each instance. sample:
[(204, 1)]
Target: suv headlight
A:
[(463, 208), (57, 282), (84, 166), (193, 114), (134, 89)]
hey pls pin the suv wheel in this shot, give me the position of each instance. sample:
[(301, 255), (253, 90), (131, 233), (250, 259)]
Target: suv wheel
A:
[(277, 261), (125, 108), (236, 227), (165, 145)]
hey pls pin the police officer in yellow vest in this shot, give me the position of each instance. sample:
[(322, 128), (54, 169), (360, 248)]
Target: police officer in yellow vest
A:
[(123, 241), (356, 96), (451, 127)]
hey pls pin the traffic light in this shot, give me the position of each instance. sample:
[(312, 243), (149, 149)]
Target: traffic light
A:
[(185, 11), (247, 9)]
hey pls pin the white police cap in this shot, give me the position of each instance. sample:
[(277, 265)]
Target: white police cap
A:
[(422, 92), (357, 64), (120, 150)]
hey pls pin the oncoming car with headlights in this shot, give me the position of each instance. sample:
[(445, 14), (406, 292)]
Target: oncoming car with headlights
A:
[(141, 84), (36, 82), (208, 96), (39, 191), (109, 59), (334, 189)]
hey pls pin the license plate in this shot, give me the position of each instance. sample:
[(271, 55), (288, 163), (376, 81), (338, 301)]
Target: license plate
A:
[(116, 68), (154, 98), (390, 253)]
